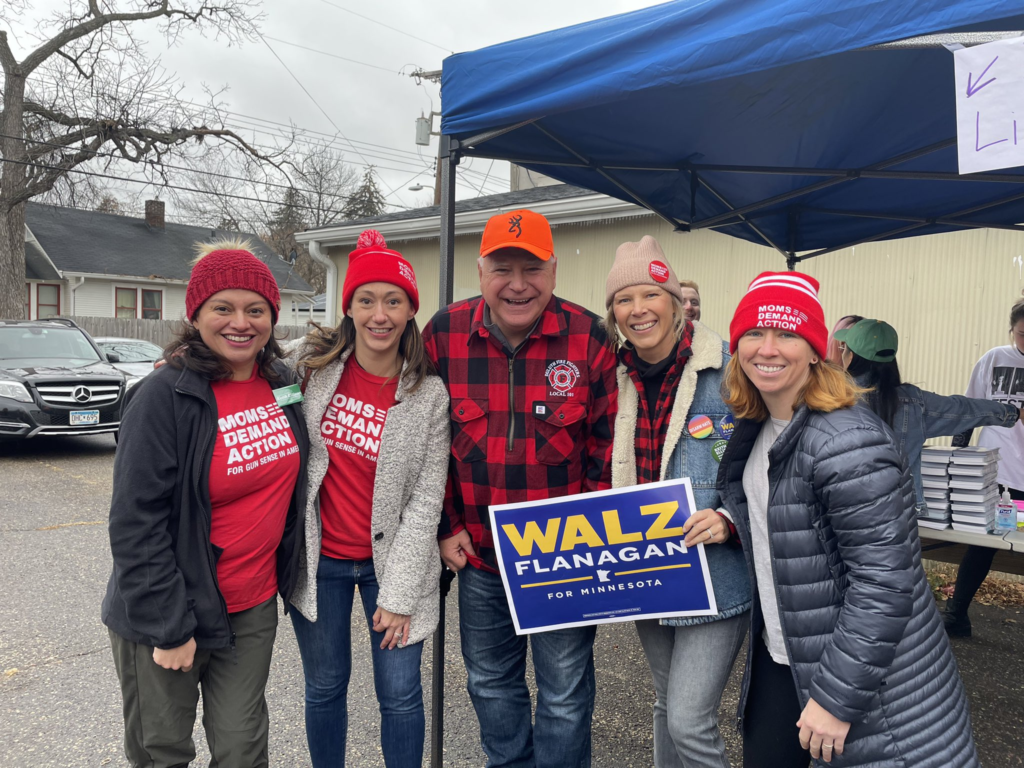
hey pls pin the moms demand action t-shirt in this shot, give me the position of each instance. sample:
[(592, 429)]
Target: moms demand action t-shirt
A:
[(351, 430), (252, 476)]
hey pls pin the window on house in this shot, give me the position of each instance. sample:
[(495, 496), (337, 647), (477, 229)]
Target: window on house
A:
[(152, 305), (47, 301), (126, 301), (28, 301)]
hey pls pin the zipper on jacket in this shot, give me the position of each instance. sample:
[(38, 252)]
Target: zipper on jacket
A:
[(775, 582), (209, 521), (511, 402)]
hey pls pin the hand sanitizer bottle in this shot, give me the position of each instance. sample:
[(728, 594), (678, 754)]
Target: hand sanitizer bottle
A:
[(1006, 514)]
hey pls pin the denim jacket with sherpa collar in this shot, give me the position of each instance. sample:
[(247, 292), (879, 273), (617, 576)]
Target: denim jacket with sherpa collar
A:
[(699, 393), (922, 415)]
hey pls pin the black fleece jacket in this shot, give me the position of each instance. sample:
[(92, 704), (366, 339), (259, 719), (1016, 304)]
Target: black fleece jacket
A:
[(163, 588)]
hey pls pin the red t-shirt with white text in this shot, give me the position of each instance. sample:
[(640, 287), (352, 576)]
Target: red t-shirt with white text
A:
[(252, 476), (351, 430)]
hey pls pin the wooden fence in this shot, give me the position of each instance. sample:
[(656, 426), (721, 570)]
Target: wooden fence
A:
[(157, 331)]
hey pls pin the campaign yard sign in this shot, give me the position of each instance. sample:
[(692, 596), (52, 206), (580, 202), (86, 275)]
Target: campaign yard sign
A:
[(601, 557)]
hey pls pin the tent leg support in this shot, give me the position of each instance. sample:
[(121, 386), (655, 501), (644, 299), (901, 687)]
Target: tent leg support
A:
[(448, 157)]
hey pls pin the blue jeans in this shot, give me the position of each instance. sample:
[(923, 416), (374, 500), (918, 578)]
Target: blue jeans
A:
[(495, 657), (326, 649)]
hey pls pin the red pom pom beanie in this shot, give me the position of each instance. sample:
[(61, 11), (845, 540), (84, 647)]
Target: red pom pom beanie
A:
[(373, 262), (786, 301), (224, 269)]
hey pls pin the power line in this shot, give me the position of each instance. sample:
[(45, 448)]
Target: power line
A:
[(177, 187), (332, 55), (391, 154), (381, 23), (154, 164), (247, 119), (306, 90)]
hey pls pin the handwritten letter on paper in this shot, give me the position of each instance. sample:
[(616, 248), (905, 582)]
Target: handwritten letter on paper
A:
[(990, 105)]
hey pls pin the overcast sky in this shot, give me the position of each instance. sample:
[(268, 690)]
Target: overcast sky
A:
[(367, 104)]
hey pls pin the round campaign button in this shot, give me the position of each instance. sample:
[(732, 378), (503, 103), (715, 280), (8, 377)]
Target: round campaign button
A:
[(658, 271), (718, 449), (700, 427), (726, 426)]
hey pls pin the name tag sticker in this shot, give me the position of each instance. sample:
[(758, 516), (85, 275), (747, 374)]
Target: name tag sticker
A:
[(288, 395)]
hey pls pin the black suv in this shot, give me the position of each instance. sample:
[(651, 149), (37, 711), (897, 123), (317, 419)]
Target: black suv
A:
[(54, 380)]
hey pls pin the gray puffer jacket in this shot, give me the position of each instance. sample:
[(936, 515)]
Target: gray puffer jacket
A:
[(862, 632)]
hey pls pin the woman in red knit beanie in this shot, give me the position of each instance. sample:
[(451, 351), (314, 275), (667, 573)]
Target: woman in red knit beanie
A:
[(206, 521), (847, 657), (378, 471)]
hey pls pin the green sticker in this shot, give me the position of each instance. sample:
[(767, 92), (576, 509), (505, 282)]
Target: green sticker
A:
[(288, 395), (718, 449)]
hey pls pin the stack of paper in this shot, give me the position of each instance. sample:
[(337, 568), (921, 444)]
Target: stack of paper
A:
[(935, 478), (973, 490)]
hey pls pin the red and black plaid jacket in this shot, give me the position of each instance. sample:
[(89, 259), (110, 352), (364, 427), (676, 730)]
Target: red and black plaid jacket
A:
[(651, 429), (533, 426)]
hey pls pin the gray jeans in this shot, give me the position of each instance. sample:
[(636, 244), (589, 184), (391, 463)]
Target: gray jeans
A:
[(690, 667), (160, 704)]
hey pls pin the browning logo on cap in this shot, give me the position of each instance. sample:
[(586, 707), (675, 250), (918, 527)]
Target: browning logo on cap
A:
[(515, 225)]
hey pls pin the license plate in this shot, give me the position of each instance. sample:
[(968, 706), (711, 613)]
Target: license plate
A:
[(84, 418)]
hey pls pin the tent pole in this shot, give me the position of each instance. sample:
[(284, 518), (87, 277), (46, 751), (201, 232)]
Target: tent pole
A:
[(448, 157), (744, 219), (917, 225), (671, 221), (848, 175)]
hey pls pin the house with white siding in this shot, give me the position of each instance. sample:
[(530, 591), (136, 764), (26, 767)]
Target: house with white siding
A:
[(91, 264)]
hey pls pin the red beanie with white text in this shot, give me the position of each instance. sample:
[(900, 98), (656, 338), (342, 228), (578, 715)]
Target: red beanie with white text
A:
[(373, 262), (786, 301)]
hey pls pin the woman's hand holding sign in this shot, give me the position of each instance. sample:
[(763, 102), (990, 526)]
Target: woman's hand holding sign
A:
[(705, 527)]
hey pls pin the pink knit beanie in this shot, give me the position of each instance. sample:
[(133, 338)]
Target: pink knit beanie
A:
[(641, 263)]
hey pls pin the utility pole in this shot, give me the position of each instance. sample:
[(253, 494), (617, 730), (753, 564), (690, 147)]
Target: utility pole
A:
[(425, 127)]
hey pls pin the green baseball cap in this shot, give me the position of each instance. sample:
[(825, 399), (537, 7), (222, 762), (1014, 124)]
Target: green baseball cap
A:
[(873, 340)]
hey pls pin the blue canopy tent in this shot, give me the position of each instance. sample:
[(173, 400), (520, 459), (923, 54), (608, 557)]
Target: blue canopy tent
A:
[(804, 125), (800, 124)]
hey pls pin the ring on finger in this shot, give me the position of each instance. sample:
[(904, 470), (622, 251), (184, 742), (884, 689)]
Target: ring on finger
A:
[(710, 534)]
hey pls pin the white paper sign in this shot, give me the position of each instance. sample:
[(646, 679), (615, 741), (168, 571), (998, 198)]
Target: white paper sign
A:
[(990, 105)]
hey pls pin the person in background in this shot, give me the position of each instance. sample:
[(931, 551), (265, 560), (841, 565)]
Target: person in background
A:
[(868, 350), (690, 299), (531, 379), (991, 380), (376, 489), (206, 522), (835, 353), (671, 422), (847, 657)]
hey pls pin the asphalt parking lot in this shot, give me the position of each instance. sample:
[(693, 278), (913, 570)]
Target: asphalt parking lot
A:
[(60, 705)]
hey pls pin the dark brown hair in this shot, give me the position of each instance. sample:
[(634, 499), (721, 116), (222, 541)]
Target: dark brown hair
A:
[(188, 350), (328, 344), (1016, 313)]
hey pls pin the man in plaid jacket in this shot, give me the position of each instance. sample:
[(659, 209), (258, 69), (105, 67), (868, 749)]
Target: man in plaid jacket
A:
[(533, 401)]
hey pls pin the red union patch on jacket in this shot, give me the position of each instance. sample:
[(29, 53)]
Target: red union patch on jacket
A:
[(562, 375), (780, 316)]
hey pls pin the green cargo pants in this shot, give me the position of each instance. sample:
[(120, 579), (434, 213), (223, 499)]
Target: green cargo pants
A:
[(160, 704)]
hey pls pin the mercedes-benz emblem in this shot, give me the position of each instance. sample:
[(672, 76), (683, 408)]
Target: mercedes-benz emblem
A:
[(81, 394)]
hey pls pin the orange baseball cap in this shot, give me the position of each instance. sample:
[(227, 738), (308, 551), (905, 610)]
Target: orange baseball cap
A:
[(518, 229)]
